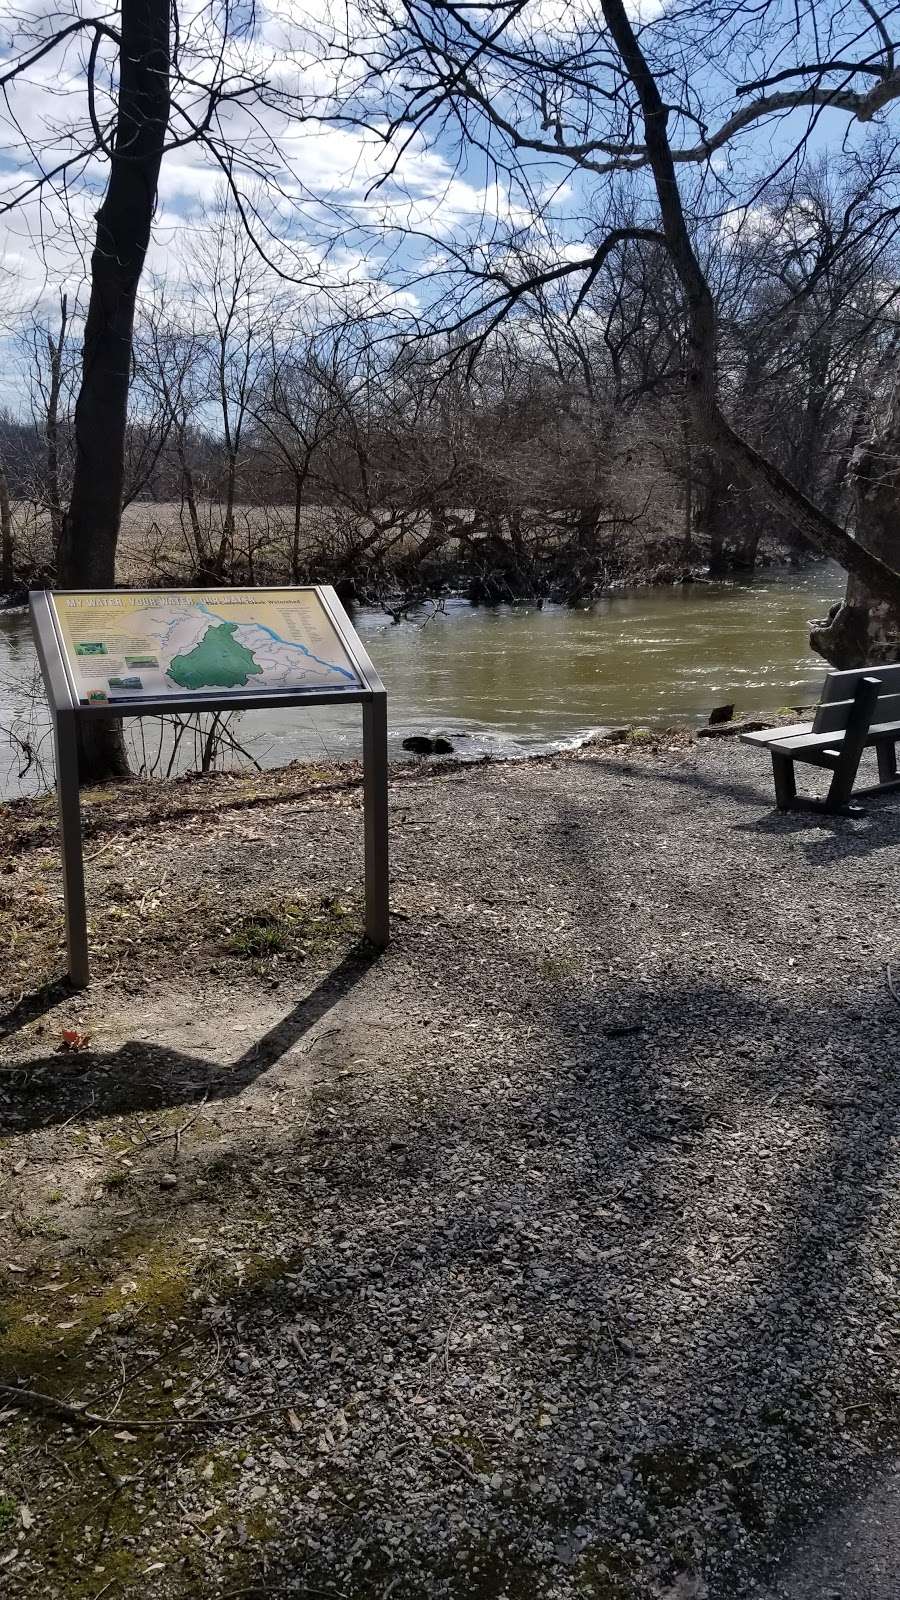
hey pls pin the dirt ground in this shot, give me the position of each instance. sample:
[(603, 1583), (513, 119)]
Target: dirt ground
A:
[(552, 1252)]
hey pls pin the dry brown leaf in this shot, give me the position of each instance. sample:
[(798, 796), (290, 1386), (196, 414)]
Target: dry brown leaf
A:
[(73, 1040)]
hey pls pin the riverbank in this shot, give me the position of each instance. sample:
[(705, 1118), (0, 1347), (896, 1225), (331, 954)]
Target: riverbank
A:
[(518, 680), (547, 557), (551, 1253)]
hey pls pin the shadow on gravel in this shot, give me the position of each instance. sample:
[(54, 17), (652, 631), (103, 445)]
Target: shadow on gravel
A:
[(35, 1004), (679, 776), (620, 1302), (616, 1303), (833, 838), (825, 840), (597, 1299), (141, 1076)]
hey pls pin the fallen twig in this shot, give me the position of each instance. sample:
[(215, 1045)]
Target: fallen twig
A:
[(460, 1465), (88, 1106), (77, 1415), (157, 1137)]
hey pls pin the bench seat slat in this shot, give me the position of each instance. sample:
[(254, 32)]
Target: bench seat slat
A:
[(823, 741), (764, 736)]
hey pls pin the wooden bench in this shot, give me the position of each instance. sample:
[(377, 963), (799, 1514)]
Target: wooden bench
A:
[(857, 711)]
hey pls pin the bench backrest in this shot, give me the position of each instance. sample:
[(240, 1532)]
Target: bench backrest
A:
[(839, 688)]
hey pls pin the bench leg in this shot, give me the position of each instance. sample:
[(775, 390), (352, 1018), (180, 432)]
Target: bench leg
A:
[(785, 781), (853, 744), (839, 791), (887, 762)]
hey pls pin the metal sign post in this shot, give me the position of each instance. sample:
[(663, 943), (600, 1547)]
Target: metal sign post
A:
[(132, 653)]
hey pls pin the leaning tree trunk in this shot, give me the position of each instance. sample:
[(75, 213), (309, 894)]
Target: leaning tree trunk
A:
[(87, 551), (864, 629)]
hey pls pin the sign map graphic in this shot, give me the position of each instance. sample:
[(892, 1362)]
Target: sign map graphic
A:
[(147, 644)]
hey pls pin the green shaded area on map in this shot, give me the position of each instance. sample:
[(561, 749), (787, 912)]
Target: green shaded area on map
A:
[(218, 661)]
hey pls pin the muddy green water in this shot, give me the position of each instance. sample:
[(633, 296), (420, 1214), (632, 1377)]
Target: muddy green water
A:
[(525, 679)]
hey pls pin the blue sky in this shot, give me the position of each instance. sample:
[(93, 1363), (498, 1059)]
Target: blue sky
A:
[(331, 221)]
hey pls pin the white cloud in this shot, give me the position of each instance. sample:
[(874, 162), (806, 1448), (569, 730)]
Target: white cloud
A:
[(341, 199)]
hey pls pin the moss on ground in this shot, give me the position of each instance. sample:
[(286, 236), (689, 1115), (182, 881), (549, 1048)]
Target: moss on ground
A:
[(91, 1535), (145, 1279)]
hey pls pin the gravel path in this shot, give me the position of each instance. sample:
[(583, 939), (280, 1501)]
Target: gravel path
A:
[(853, 1555), (552, 1254)]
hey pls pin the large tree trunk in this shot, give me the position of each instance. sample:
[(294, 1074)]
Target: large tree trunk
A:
[(687, 438), (87, 551), (55, 350), (710, 504), (865, 629), (806, 466)]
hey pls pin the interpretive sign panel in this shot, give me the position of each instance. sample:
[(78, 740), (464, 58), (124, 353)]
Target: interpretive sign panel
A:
[(132, 645), (129, 652)]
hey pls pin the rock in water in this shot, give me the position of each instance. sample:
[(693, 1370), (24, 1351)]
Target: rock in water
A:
[(421, 745), (721, 714)]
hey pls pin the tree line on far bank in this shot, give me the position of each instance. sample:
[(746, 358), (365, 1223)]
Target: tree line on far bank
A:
[(279, 446)]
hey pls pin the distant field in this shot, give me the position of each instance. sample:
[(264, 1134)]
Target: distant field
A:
[(157, 542)]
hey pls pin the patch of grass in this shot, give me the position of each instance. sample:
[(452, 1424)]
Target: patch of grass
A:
[(290, 927), (88, 1540), (604, 1574), (31, 930), (49, 1349), (263, 934), (484, 1571), (461, 1444), (671, 1477), (44, 1228), (222, 1166), (554, 967)]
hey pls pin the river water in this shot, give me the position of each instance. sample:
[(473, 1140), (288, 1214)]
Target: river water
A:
[(523, 679)]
